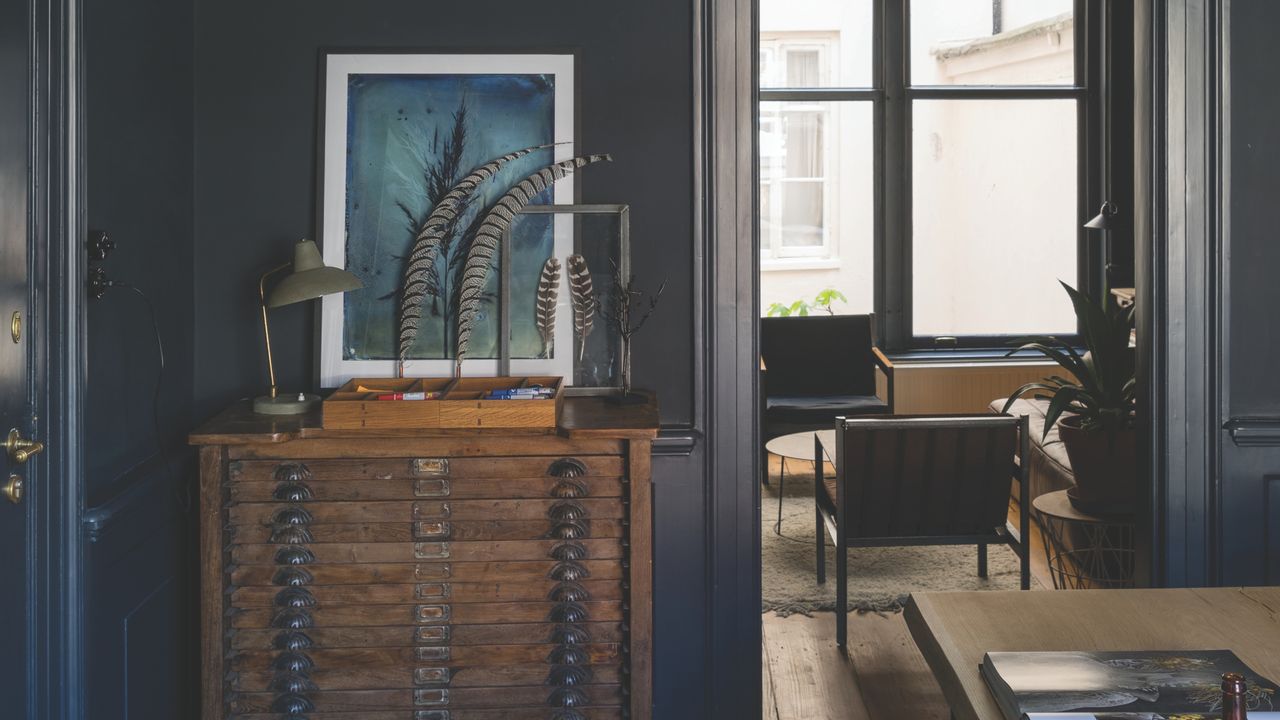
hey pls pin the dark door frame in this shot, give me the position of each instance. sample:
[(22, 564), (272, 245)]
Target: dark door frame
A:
[(57, 307), (1181, 52)]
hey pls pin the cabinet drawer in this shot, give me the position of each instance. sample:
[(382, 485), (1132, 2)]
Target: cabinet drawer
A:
[(513, 713), (364, 701), (414, 488), (311, 514), (462, 572), (409, 677), (504, 550), (428, 614), (422, 467), (424, 530), (450, 592), (453, 635), (432, 656)]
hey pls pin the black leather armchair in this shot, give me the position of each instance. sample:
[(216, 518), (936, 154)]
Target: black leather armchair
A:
[(814, 369)]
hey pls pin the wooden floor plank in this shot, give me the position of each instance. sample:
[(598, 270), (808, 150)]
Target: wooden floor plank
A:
[(769, 704), (812, 679)]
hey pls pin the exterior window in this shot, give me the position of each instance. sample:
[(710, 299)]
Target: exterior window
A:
[(943, 186)]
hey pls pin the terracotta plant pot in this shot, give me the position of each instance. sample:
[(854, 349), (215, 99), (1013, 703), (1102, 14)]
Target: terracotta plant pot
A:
[(1105, 465)]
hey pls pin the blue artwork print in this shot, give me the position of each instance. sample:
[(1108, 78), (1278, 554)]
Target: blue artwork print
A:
[(410, 139)]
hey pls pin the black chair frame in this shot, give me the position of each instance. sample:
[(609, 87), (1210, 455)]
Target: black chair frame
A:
[(833, 521)]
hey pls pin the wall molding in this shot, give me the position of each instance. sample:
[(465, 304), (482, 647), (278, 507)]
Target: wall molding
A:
[(1254, 432)]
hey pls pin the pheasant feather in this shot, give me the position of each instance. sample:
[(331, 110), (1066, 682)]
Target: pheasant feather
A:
[(489, 237), (584, 301), (420, 270), (545, 309)]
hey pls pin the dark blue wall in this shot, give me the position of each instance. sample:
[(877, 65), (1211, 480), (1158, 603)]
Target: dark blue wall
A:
[(139, 608)]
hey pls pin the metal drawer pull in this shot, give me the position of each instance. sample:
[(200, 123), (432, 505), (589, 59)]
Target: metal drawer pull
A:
[(569, 551), (432, 488), (431, 715), (298, 577), (432, 530), (291, 684), (433, 613), (567, 511), (295, 597), (569, 592), (431, 550), (295, 556), (569, 489), (293, 492), (431, 698), (432, 571), (568, 697), (433, 654), (567, 467), (292, 516), (431, 467), (432, 635), (571, 530), (292, 619), (431, 676), (569, 655), (569, 570), (569, 612), (434, 591), (291, 535), (569, 676), (293, 473), (292, 703), (294, 662), (431, 511), (570, 635), (292, 640)]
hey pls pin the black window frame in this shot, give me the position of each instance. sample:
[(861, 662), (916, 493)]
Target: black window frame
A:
[(892, 96)]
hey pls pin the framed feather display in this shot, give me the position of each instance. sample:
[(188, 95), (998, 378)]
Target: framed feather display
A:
[(419, 153), (599, 240)]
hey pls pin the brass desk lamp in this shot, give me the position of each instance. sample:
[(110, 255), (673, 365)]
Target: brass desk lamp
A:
[(310, 279)]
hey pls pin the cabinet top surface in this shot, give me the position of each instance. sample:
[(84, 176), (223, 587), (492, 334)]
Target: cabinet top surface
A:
[(581, 417)]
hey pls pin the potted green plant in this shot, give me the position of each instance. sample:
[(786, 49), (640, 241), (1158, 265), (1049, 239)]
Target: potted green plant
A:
[(1096, 403), (822, 301)]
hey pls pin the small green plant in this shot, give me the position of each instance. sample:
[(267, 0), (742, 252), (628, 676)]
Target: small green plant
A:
[(822, 301), (1103, 394)]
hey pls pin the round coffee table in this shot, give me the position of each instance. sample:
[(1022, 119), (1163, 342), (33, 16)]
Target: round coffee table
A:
[(796, 446)]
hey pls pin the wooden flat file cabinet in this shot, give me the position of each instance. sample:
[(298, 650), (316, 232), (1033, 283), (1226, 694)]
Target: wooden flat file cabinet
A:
[(450, 575)]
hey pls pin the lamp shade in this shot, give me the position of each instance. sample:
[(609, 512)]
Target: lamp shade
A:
[(310, 278), (1104, 220)]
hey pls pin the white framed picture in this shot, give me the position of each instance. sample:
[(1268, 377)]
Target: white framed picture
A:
[(399, 130)]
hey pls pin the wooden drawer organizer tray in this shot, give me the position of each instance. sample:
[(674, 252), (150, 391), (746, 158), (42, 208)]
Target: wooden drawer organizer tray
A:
[(461, 405), (457, 577)]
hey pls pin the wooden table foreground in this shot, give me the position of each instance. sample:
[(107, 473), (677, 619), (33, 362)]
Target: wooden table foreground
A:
[(954, 630)]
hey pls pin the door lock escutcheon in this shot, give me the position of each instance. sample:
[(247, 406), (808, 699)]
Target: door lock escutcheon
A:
[(21, 450), (13, 489)]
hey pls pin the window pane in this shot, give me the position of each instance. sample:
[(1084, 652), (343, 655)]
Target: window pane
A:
[(994, 216), (815, 43), (992, 42), (817, 220)]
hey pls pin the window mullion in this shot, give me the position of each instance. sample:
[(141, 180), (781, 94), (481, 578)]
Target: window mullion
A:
[(894, 185)]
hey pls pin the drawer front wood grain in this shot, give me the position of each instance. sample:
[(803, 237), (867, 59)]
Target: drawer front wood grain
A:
[(424, 635), (434, 591), (436, 656), (410, 677), (476, 530), (511, 713), (427, 614), (461, 572), (506, 550), (314, 514), (364, 701), (339, 490)]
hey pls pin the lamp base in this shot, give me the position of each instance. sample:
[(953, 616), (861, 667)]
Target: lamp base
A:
[(285, 404)]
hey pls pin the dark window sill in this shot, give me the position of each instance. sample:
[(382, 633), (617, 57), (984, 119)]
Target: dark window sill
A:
[(966, 355)]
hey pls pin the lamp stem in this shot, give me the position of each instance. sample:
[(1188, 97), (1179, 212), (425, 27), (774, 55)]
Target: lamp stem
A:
[(266, 326)]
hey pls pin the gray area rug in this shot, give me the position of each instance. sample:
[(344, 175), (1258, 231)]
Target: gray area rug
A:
[(880, 579)]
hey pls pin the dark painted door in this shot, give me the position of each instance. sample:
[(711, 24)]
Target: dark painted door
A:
[(16, 478)]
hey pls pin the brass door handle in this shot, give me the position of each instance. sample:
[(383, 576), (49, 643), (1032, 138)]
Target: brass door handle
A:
[(21, 450), (12, 490)]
